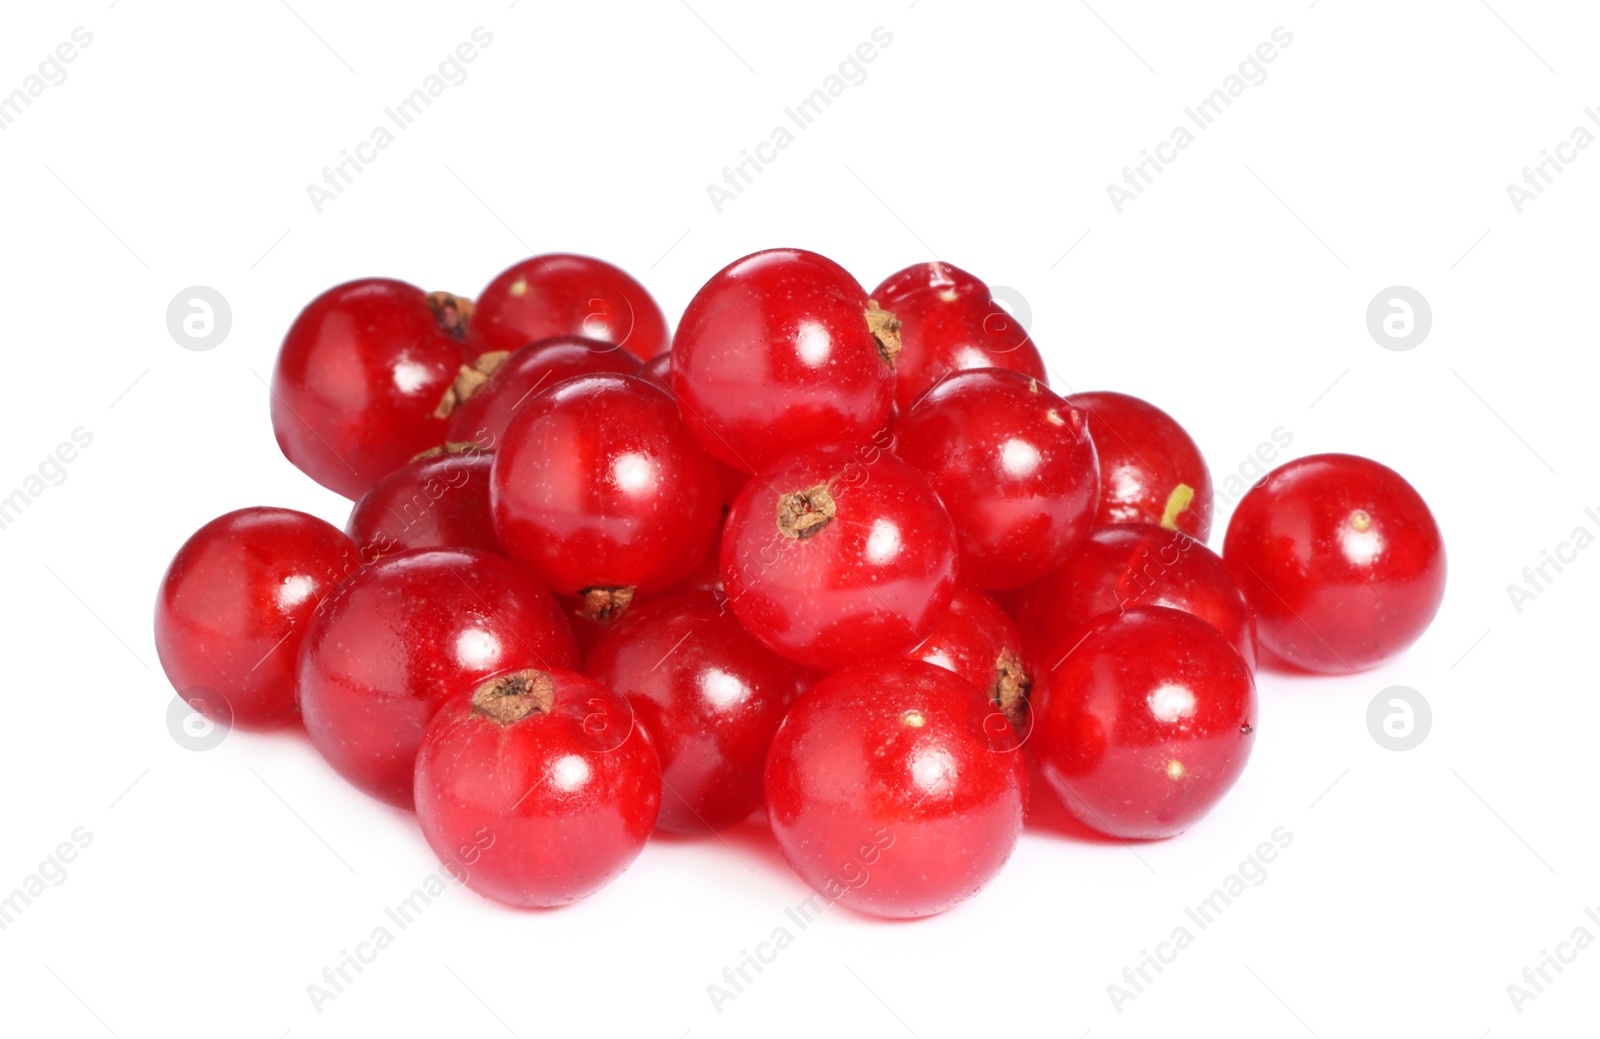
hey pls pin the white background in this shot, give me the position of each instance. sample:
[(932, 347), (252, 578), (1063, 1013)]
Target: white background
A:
[(1233, 293)]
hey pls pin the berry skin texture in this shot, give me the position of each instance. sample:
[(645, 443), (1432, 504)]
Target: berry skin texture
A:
[(598, 489), (561, 294), (1014, 465), (1341, 559), (977, 641), (709, 695), (896, 788), (358, 378), (1144, 726), (1135, 564), (483, 416), (234, 606), (779, 350), (949, 321), (403, 635), (1151, 470), (436, 501), (838, 553), (539, 787)]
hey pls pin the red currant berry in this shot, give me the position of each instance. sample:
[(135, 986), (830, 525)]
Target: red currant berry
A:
[(538, 789), (479, 414), (1151, 471), (779, 350), (359, 376), (949, 321), (1341, 559), (977, 641), (439, 500), (590, 625), (710, 696), (559, 294), (733, 481), (705, 577), (1015, 466), (234, 606), (599, 489), (659, 370), (1144, 726), (402, 636), (839, 553), (1135, 564), (896, 789)]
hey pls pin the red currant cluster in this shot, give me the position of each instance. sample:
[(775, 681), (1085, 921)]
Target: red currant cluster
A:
[(844, 554)]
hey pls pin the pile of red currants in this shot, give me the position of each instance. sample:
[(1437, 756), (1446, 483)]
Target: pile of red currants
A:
[(842, 554)]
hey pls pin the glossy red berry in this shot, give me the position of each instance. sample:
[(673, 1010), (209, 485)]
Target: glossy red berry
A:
[(839, 553), (358, 379), (1144, 726), (599, 490), (705, 577), (1014, 465), (538, 788), (406, 633), (976, 640), (896, 789), (560, 294), (710, 696), (482, 416), (779, 350), (1341, 559), (437, 501), (1135, 564), (590, 625), (949, 321), (1151, 471), (659, 370), (234, 606)]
